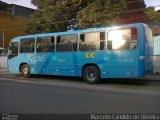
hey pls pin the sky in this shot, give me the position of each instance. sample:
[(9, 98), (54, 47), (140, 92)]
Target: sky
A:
[(153, 3), (27, 3)]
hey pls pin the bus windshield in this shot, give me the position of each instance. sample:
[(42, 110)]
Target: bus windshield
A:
[(13, 49)]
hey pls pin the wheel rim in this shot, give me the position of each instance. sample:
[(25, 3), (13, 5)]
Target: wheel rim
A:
[(91, 75), (25, 71)]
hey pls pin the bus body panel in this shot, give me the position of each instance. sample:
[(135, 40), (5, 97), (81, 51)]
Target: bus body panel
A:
[(57, 64), (112, 64), (148, 50), (141, 56), (13, 65)]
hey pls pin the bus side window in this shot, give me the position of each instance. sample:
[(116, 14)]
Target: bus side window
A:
[(92, 41), (122, 39), (39, 47), (67, 42), (58, 39), (73, 42), (134, 38), (102, 40), (83, 46), (52, 40), (82, 37), (27, 45), (39, 44), (45, 44)]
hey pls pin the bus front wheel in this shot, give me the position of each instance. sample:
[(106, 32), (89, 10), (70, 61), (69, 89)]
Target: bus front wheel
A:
[(25, 71), (91, 75)]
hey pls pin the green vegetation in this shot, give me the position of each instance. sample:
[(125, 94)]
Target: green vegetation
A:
[(152, 15), (57, 15), (100, 13)]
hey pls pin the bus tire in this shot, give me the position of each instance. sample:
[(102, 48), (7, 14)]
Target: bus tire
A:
[(25, 71), (91, 75)]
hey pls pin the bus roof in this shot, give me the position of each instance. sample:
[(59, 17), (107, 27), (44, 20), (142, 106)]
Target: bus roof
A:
[(16, 39)]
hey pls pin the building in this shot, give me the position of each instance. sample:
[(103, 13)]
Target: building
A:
[(16, 10), (13, 19)]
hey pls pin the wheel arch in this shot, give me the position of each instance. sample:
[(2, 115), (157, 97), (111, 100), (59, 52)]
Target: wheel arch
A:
[(20, 66), (89, 64)]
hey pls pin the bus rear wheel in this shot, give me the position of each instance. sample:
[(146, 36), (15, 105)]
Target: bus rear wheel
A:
[(91, 75), (25, 71)]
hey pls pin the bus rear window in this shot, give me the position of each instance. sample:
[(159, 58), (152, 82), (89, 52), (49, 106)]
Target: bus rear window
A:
[(122, 39)]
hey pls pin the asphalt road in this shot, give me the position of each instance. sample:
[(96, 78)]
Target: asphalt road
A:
[(70, 95)]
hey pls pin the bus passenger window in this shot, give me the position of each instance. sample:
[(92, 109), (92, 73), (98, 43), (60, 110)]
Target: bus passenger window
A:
[(45, 44), (27, 45), (92, 41), (52, 40), (134, 38), (82, 38), (58, 39), (66, 43), (123, 39), (102, 40)]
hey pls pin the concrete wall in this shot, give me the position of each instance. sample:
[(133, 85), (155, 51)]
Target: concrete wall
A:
[(3, 62)]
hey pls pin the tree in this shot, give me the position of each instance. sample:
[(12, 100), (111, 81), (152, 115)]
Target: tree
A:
[(54, 15), (57, 15), (47, 16), (100, 13), (152, 15)]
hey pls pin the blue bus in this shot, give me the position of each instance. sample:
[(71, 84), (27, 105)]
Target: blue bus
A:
[(122, 51)]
